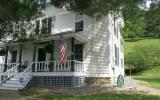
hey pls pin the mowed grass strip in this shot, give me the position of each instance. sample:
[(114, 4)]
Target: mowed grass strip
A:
[(103, 96)]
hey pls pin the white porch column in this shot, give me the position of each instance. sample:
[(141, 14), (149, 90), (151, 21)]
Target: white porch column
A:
[(72, 54), (6, 58), (34, 57)]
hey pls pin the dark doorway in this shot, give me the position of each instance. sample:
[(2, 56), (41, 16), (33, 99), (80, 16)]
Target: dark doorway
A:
[(41, 54), (79, 52), (14, 56)]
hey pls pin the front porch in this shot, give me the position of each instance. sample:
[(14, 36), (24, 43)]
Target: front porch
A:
[(40, 59), (44, 54), (48, 72)]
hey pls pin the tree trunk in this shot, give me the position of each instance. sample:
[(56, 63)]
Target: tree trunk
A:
[(130, 70)]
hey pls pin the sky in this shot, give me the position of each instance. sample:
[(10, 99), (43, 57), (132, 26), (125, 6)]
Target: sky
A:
[(148, 3)]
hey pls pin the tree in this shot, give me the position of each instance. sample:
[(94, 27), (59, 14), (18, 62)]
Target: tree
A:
[(153, 20), (97, 7), (21, 12), (16, 17), (135, 23)]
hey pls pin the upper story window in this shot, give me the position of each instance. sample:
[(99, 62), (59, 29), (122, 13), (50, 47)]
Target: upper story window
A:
[(116, 29), (44, 26), (79, 22)]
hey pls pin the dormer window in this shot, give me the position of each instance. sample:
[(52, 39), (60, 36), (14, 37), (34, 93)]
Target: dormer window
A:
[(78, 22)]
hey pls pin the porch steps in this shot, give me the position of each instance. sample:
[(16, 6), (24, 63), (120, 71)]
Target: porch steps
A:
[(14, 83)]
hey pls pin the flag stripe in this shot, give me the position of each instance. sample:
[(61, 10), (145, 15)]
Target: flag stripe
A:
[(63, 49)]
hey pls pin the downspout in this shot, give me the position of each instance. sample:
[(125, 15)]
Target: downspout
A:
[(113, 49)]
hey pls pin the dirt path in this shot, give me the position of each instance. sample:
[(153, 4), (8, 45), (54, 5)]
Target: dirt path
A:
[(150, 90)]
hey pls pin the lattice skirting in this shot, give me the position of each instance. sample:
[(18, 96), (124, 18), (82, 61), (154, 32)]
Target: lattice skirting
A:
[(56, 81)]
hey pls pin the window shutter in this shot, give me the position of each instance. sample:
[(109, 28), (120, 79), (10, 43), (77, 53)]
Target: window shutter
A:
[(37, 27), (49, 25)]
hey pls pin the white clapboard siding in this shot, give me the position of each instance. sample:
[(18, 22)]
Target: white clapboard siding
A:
[(96, 51)]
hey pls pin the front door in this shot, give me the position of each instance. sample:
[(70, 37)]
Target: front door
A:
[(41, 54), (79, 52), (14, 56), (40, 67)]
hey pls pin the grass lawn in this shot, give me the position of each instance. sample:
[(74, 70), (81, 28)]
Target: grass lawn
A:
[(149, 77), (103, 96)]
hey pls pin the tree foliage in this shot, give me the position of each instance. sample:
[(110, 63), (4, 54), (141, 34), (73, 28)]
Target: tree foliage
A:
[(19, 13), (16, 16), (96, 7), (17, 10), (135, 23), (153, 20)]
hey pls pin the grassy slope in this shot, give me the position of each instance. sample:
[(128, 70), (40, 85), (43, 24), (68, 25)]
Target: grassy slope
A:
[(130, 45), (102, 96), (149, 77)]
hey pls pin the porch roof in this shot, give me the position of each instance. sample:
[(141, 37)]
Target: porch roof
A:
[(67, 35), (56, 36)]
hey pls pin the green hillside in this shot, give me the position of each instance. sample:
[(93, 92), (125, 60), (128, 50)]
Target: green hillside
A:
[(151, 76), (130, 45)]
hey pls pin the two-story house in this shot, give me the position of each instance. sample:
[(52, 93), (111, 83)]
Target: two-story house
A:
[(94, 52)]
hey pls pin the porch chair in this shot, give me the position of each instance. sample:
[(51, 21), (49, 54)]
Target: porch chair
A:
[(24, 66)]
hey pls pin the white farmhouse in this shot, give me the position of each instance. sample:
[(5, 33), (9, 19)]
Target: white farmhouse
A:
[(95, 53)]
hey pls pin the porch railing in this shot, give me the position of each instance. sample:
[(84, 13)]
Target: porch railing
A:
[(8, 65), (2, 67), (25, 76), (56, 66), (10, 72), (11, 65)]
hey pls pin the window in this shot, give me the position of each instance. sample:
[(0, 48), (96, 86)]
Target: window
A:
[(78, 22), (122, 63), (116, 55), (116, 29), (121, 46), (79, 52), (44, 26)]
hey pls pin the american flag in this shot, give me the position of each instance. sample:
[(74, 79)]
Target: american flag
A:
[(63, 49)]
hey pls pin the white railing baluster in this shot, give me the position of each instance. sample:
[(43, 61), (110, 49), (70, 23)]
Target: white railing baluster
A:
[(68, 62), (57, 66)]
